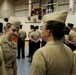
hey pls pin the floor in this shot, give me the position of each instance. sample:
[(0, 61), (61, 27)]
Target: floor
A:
[(23, 64)]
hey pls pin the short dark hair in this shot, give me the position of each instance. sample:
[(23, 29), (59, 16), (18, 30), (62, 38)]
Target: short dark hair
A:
[(58, 29), (37, 27), (21, 26), (6, 19), (31, 26)]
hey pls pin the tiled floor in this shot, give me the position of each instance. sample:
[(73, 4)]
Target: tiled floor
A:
[(23, 64)]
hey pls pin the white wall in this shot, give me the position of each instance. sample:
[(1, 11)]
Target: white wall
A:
[(71, 19), (6, 9), (22, 12)]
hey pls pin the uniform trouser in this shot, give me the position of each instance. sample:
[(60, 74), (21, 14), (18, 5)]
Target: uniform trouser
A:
[(43, 43), (72, 46), (30, 44), (21, 47), (38, 45), (33, 47)]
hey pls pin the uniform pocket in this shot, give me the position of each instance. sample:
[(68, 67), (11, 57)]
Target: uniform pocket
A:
[(15, 50), (6, 49)]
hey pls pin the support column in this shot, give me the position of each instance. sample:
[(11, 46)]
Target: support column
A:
[(72, 6), (29, 7)]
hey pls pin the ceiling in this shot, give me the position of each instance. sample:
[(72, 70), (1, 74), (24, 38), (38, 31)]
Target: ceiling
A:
[(28, 0)]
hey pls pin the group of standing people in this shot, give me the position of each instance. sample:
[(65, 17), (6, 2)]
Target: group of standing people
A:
[(34, 40), (70, 39), (55, 58)]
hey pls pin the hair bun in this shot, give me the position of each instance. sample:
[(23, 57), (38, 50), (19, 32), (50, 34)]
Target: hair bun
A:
[(66, 30), (6, 19)]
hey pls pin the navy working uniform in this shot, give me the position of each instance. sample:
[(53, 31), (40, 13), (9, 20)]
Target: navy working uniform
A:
[(55, 58), (34, 37), (21, 43), (30, 43), (9, 48)]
